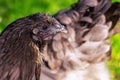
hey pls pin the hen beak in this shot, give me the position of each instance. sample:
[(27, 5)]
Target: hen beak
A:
[(64, 31), (61, 28)]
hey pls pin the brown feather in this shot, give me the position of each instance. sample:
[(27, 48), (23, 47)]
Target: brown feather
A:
[(22, 44)]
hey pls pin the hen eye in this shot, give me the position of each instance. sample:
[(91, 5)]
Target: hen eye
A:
[(44, 27)]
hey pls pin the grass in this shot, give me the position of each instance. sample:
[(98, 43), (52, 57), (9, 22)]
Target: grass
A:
[(114, 63), (11, 10)]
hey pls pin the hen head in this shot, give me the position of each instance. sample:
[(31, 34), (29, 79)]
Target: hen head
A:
[(45, 27)]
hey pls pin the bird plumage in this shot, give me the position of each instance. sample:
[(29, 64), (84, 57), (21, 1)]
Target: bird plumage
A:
[(21, 46), (80, 54)]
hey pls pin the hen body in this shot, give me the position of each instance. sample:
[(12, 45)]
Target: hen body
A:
[(80, 54), (21, 46)]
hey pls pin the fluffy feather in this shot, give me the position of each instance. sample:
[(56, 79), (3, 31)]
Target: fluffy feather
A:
[(80, 54)]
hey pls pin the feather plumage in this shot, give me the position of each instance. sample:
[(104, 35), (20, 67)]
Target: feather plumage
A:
[(80, 54), (21, 46)]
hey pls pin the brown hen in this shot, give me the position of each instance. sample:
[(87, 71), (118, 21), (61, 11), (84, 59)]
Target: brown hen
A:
[(22, 44)]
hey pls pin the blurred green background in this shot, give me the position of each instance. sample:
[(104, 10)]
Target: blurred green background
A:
[(11, 10)]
